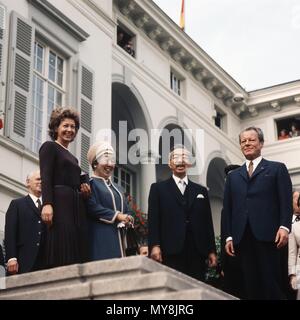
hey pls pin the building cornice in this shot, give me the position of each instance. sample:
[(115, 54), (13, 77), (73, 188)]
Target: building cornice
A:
[(271, 99), (93, 5), (61, 19), (91, 11), (152, 21)]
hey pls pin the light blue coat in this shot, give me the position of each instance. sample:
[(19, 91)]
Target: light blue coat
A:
[(105, 239)]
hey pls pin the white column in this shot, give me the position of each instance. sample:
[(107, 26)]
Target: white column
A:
[(148, 176)]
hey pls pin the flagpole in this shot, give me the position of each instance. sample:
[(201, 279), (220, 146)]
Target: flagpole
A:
[(182, 16)]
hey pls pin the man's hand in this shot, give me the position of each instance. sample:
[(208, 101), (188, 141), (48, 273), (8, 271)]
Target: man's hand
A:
[(282, 238), (212, 260), (12, 267), (156, 254), (47, 214), (293, 282), (229, 248)]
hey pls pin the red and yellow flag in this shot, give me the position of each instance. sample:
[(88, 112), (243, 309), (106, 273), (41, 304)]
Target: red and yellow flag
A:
[(182, 19)]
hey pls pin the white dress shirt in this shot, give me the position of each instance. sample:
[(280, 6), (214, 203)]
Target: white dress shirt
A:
[(255, 163), (181, 183), (35, 199)]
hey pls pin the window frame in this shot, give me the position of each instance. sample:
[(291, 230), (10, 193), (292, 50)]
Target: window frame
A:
[(129, 34), (290, 119), (178, 79), (121, 169), (46, 83), (223, 118)]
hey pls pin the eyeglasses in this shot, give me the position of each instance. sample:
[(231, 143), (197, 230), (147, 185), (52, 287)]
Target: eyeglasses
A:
[(107, 159)]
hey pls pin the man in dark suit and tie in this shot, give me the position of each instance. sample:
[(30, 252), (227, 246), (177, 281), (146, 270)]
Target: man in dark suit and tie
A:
[(181, 233), (24, 230), (257, 217)]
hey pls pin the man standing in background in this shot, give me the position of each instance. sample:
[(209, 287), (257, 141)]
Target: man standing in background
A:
[(24, 230)]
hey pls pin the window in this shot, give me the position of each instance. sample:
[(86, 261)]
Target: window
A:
[(126, 40), (220, 119), (288, 127), (124, 178), (48, 90), (176, 82), (37, 77)]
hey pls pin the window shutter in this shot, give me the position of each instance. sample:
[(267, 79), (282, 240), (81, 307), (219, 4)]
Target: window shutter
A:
[(20, 77), (2, 62), (2, 28), (85, 106)]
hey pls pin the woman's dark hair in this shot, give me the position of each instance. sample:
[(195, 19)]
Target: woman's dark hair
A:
[(58, 115)]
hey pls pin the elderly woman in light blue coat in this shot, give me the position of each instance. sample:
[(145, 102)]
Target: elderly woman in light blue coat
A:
[(107, 209)]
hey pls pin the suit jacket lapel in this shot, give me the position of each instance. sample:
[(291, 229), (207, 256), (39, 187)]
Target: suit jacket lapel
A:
[(192, 193), (260, 168), (243, 172), (175, 190), (32, 206)]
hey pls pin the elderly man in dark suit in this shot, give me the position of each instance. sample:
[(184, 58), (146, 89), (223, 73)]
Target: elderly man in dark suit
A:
[(24, 230), (257, 217), (181, 233)]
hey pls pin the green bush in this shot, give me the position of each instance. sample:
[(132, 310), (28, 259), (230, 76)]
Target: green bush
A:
[(213, 275)]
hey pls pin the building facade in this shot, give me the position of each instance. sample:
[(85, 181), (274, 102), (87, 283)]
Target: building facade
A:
[(134, 76)]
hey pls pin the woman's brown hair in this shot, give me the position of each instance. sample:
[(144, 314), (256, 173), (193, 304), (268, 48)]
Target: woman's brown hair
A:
[(58, 115)]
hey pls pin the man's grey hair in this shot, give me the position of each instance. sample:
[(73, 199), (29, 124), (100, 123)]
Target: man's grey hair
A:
[(31, 174), (259, 132)]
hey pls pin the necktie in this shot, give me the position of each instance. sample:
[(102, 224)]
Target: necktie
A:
[(181, 185), (39, 204), (297, 218), (250, 169)]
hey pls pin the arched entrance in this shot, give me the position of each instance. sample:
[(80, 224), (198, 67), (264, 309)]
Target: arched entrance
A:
[(127, 115), (172, 134)]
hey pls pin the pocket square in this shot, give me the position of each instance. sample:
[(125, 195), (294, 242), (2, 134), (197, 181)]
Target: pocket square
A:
[(200, 196)]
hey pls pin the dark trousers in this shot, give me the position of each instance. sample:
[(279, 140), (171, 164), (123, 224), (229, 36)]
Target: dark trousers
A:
[(261, 268), (232, 282), (188, 261)]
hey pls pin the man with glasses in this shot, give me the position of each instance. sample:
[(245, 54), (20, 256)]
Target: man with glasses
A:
[(181, 234)]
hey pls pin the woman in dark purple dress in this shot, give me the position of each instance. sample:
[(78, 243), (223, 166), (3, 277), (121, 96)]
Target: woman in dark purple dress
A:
[(62, 209)]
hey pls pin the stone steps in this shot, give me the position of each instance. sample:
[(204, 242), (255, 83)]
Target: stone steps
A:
[(127, 278)]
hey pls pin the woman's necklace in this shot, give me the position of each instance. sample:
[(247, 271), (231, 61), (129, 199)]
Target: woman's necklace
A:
[(61, 145)]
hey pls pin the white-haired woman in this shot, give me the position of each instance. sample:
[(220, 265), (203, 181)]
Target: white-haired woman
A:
[(107, 208)]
